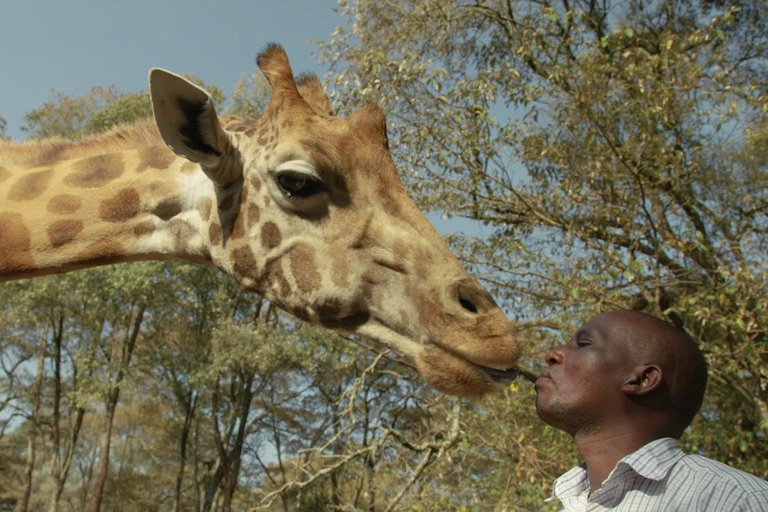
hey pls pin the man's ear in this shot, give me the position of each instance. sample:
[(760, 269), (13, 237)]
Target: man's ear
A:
[(187, 120), (643, 380)]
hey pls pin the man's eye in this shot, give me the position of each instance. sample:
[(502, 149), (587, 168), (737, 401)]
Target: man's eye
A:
[(582, 343), (298, 185)]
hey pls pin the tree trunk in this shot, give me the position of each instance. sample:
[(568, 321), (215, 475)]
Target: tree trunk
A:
[(103, 464), (97, 491), (214, 479), (60, 473), (60, 465), (23, 505), (188, 418), (232, 469)]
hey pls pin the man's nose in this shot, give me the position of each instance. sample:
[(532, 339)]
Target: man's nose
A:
[(554, 356)]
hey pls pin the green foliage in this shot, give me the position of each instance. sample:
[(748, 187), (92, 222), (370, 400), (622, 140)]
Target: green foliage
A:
[(615, 155), (249, 97), (614, 152), (67, 116), (126, 108), (97, 111)]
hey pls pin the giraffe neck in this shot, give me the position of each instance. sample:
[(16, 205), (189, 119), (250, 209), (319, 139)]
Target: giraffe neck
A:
[(130, 205)]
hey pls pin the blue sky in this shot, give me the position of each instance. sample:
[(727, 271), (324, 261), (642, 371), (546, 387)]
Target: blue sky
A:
[(48, 45), (71, 46)]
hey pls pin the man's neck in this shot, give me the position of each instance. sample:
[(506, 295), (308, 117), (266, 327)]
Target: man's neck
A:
[(603, 449)]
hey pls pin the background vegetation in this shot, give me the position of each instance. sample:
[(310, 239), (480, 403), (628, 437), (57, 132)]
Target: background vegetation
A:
[(614, 155)]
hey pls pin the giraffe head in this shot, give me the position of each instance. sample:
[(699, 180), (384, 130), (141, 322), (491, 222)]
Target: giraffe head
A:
[(310, 212)]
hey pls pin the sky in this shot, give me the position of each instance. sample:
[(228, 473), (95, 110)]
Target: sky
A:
[(71, 46)]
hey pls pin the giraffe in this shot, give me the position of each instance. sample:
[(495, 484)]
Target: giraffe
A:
[(303, 207)]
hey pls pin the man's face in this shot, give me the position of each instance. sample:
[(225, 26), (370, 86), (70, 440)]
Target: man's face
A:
[(582, 385)]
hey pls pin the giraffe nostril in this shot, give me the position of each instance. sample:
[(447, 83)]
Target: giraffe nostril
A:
[(466, 304), (471, 297)]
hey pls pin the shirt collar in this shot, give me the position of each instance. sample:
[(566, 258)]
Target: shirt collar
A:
[(570, 484), (653, 461)]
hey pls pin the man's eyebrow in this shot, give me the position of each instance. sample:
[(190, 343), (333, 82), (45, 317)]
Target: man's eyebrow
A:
[(591, 333)]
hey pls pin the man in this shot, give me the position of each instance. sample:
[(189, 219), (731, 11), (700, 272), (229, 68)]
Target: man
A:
[(625, 387)]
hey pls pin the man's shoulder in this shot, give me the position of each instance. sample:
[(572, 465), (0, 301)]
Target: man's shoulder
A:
[(705, 465), (709, 473)]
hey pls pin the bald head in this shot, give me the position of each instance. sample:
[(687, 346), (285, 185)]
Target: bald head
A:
[(655, 342)]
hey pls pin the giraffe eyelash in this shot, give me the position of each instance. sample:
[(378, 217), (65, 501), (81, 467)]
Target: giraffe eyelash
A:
[(297, 185)]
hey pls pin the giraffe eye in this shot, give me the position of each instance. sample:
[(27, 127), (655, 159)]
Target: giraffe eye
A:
[(298, 185)]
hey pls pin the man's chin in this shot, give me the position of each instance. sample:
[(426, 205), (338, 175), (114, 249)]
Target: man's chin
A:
[(552, 415)]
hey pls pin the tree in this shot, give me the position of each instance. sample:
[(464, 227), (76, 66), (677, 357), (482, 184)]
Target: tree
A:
[(616, 154), (250, 96), (97, 111), (67, 116)]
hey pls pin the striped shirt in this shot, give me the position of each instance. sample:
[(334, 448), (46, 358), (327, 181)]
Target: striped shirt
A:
[(659, 477)]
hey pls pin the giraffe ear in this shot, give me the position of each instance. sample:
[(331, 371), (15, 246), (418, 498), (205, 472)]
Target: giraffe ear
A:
[(187, 120)]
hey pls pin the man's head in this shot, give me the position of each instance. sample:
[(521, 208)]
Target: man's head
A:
[(623, 367)]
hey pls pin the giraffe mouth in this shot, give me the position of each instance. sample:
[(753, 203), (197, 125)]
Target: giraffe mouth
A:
[(405, 346), (502, 376)]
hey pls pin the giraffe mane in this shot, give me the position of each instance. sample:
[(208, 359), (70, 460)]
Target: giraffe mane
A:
[(139, 134)]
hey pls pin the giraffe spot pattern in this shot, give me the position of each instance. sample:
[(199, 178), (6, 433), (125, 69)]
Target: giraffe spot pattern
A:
[(304, 268), (155, 157), (270, 235), (204, 207), (63, 232), (245, 263), (122, 207), (160, 189), (95, 171), (215, 234), (15, 241), (182, 233), (280, 283), (255, 183), (144, 228), (188, 168), (30, 186), (238, 230), (253, 214), (64, 204)]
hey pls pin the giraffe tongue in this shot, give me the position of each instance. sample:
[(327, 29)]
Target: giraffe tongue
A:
[(502, 375)]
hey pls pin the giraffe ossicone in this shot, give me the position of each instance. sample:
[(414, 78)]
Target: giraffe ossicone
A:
[(300, 206)]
